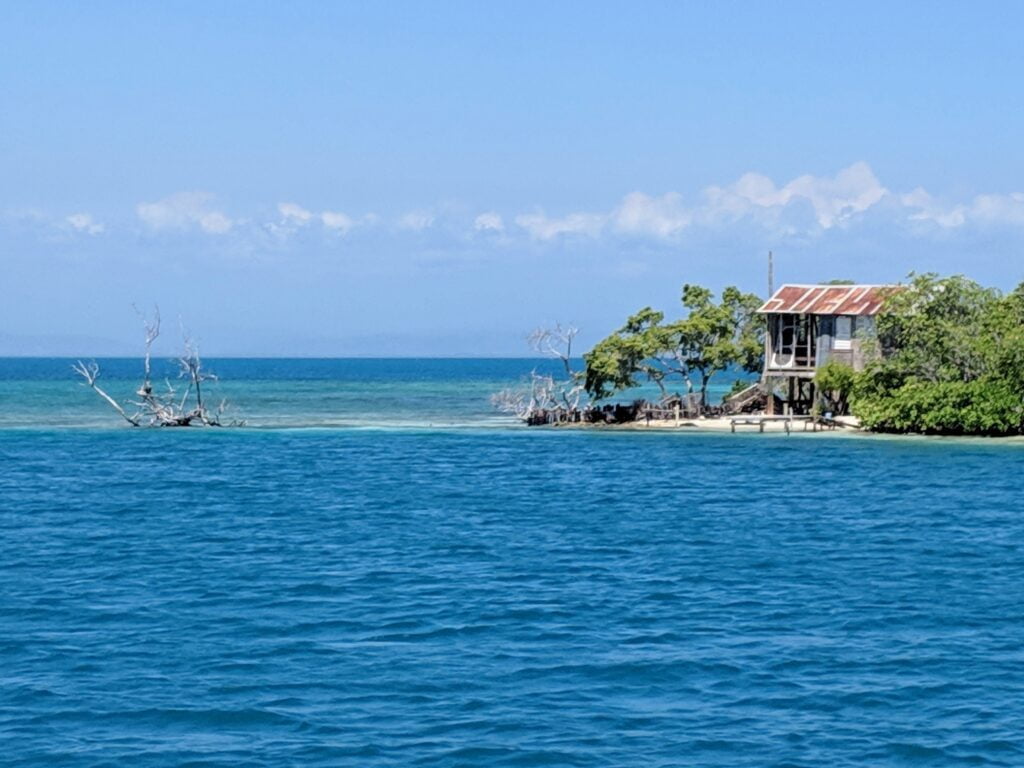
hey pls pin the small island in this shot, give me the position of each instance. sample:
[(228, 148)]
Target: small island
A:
[(935, 356)]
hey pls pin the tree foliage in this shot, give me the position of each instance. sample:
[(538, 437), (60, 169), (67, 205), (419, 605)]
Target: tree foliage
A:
[(834, 381), (952, 361), (711, 337), (636, 349)]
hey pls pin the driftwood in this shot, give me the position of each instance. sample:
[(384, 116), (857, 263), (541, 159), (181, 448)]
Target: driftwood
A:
[(169, 408), (542, 397), (674, 407)]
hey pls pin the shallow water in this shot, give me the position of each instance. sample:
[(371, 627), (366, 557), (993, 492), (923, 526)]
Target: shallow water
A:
[(291, 393), (491, 595)]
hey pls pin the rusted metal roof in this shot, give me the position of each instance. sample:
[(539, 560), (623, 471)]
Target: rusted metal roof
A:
[(828, 299)]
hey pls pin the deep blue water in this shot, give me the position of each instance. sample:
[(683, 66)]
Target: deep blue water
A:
[(489, 595)]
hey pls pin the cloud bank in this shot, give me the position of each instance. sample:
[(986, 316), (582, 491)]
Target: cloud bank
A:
[(805, 207), (184, 211), (831, 202)]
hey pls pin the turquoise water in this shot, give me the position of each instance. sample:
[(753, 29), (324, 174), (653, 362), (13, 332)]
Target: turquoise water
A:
[(480, 594), (265, 393)]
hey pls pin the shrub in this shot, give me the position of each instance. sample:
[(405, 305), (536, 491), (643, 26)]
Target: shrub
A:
[(953, 361), (834, 381), (979, 407)]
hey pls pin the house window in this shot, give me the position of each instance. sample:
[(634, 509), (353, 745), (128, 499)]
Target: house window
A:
[(794, 342), (844, 333)]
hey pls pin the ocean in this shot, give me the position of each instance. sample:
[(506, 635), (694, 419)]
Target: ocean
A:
[(380, 571)]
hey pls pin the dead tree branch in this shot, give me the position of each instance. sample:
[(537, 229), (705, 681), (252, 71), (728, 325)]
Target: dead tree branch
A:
[(544, 393), (555, 342), (163, 409), (90, 373)]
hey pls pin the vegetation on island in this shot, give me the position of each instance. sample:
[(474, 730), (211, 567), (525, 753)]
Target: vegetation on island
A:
[(945, 356), (713, 336), (834, 381), (950, 361)]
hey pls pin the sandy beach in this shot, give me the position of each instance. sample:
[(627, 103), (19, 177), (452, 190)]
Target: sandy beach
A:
[(743, 424)]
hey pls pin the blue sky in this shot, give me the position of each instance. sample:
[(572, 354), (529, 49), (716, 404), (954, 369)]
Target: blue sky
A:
[(414, 178)]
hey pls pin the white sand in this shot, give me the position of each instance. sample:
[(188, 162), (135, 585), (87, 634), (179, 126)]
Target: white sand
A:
[(724, 424)]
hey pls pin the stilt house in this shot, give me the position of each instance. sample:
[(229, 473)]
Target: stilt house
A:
[(809, 325)]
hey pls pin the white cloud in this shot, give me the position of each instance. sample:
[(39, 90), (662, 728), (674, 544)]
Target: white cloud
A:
[(295, 217), (983, 210), (84, 222), (294, 214), (923, 207), (183, 211), (215, 223), (489, 222), (998, 209), (416, 221), (805, 206), (641, 214), (336, 221), (834, 199), (540, 227)]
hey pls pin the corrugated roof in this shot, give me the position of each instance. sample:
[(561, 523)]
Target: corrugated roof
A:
[(828, 299)]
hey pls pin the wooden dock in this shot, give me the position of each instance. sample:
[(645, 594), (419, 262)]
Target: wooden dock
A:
[(759, 421)]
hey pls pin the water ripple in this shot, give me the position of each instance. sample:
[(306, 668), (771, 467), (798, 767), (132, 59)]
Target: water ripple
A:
[(490, 598)]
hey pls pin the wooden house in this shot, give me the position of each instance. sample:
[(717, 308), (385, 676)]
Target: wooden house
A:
[(808, 325)]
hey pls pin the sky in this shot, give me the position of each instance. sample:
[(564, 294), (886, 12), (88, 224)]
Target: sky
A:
[(415, 178)]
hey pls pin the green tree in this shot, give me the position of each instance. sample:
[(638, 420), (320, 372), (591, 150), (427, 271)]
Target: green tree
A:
[(711, 337), (834, 381), (634, 350), (934, 329), (952, 361)]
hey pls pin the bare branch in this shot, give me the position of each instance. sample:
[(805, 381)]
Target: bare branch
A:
[(152, 328), (542, 394), (555, 342), (166, 409), (90, 373)]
